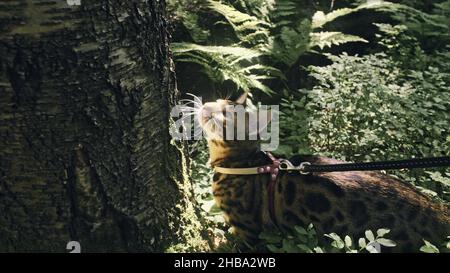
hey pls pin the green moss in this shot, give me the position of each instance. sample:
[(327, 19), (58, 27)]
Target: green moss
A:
[(192, 233)]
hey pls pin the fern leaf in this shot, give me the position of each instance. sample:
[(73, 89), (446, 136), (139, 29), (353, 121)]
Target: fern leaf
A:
[(240, 52), (242, 23), (223, 63), (320, 19), (330, 38), (290, 44), (191, 22)]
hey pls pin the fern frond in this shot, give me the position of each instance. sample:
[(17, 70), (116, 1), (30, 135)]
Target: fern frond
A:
[(259, 8), (330, 38), (222, 63), (320, 19), (242, 23), (290, 43), (239, 53), (257, 84), (435, 25), (191, 22), (266, 72)]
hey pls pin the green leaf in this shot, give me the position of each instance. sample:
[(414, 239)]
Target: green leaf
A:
[(382, 231), (333, 236), (337, 241), (386, 242), (270, 237), (330, 38), (369, 235), (338, 244), (304, 248), (348, 241), (233, 63), (214, 209), (362, 242), (274, 249), (371, 249), (320, 18), (289, 246), (318, 250), (179, 48), (242, 23), (429, 248), (301, 230)]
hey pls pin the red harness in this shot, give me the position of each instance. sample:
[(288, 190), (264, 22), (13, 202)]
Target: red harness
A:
[(274, 170)]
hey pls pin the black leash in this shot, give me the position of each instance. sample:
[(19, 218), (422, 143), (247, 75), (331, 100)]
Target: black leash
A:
[(306, 167)]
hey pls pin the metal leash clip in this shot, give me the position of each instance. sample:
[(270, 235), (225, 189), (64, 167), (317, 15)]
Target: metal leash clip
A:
[(286, 165)]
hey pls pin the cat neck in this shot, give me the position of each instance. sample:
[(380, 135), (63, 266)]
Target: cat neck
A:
[(233, 153)]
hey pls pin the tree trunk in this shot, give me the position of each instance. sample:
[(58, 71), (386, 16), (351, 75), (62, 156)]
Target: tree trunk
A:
[(85, 154)]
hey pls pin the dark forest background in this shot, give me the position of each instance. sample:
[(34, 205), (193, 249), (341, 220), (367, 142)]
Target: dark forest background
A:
[(87, 88), (356, 80)]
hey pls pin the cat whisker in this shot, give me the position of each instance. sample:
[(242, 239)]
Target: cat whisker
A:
[(187, 106), (188, 100), (192, 106), (197, 100), (185, 116), (188, 109)]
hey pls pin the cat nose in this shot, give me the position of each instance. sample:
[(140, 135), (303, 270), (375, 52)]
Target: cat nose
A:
[(206, 111)]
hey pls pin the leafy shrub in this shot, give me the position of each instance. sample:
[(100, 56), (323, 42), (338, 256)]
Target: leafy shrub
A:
[(374, 107), (306, 240), (387, 105), (430, 248), (301, 241), (370, 243), (201, 175), (432, 29)]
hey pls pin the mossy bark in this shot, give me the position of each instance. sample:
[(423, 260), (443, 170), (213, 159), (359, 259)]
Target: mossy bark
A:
[(85, 153)]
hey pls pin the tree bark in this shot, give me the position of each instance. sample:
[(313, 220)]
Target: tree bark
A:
[(85, 154)]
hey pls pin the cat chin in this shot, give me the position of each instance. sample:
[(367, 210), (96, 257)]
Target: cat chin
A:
[(213, 137)]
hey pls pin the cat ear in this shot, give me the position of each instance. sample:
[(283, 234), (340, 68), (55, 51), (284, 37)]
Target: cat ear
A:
[(242, 100)]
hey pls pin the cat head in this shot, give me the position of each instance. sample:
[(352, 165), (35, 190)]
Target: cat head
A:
[(230, 121), (233, 128)]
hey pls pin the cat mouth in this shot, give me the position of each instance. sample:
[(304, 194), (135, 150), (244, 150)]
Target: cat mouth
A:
[(209, 114), (208, 119), (205, 115), (211, 120)]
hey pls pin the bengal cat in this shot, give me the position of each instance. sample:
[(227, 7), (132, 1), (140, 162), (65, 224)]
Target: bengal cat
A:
[(341, 202)]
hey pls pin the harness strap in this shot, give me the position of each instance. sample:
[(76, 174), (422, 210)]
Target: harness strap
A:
[(238, 171), (305, 168), (272, 169)]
